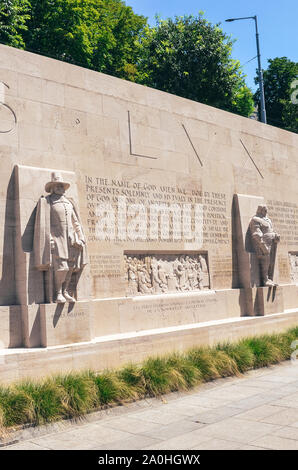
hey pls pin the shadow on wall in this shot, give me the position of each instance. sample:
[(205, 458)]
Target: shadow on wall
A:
[(8, 295), (36, 279), (15, 249), (235, 273), (240, 249), (27, 237), (15, 327), (236, 283)]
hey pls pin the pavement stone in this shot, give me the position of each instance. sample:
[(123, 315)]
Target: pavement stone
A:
[(261, 412), (288, 432), (239, 430), (285, 417), (276, 443), (218, 444), (175, 429), (132, 443), (216, 414), (28, 445), (185, 441)]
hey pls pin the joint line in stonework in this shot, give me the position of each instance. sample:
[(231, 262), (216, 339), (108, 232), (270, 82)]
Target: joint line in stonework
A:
[(130, 142), (252, 159), (194, 149)]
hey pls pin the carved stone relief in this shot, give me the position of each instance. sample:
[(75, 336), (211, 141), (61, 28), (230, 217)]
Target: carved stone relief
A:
[(157, 274), (293, 257)]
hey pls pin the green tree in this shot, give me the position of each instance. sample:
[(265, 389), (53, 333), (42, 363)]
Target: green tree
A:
[(13, 17), (99, 34), (290, 117), (190, 57), (278, 77)]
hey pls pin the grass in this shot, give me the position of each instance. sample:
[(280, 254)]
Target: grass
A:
[(75, 394)]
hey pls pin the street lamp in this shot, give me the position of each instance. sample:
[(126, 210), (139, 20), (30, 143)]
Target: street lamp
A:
[(260, 73)]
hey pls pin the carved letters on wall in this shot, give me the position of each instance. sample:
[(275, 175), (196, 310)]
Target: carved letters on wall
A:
[(165, 273)]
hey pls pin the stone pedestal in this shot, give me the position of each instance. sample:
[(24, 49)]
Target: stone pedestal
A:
[(65, 323), (31, 327), (11, 328), (56, 324), (267, 300)]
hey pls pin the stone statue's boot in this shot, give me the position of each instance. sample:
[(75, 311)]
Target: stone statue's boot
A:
[(269, 283), (60, 299), (59, 278), (68, 297)]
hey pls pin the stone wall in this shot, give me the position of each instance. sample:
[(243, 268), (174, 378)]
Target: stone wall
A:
[(149, 147), (154, 176)]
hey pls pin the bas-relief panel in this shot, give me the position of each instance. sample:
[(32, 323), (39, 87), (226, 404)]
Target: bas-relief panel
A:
[(293, 259), (166, 273)]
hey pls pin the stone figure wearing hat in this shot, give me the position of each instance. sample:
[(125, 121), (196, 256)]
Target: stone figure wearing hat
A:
[(263, 244), (59, 241)]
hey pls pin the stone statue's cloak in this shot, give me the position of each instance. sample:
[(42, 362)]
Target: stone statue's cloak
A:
[(42, 235), (260, 228)]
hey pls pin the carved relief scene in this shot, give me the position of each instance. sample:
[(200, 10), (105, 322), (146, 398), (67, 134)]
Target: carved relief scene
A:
[(165, 273), (293, 258)]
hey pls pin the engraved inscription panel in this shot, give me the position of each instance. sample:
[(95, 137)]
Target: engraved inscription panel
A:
[(285, 218)]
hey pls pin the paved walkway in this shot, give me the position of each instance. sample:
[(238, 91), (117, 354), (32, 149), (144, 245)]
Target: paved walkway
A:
[(256, 411)]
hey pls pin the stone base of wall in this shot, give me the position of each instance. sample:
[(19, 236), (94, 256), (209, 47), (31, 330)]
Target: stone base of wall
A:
[(112, 351), (47, 325)]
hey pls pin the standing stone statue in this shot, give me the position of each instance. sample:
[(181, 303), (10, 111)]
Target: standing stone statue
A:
[(59, 242), (264, 241)]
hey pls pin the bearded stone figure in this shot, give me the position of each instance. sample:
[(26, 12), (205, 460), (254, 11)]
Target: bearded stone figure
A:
[(264, 241), (59, 243)]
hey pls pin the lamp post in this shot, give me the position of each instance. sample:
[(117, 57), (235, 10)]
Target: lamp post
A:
[(260, 73)]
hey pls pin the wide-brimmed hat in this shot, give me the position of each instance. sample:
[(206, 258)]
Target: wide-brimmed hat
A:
[(56, 178)]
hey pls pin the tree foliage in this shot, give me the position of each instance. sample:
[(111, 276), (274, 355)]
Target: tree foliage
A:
[(190, 57), (99, 34), (13, 17), (278, 77), (187, 56)]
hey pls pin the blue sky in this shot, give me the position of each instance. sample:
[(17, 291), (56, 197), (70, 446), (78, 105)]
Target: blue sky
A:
[(277, 21)]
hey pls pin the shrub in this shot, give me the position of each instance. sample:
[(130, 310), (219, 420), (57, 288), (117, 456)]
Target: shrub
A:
[(241, 353), (203, 359), (111, 388), (157, 376), (16, 407), (265, 351), (47, 399), (183, 372), (80, 393)]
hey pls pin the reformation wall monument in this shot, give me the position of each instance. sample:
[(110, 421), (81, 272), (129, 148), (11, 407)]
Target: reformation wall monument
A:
[(135, 222)]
